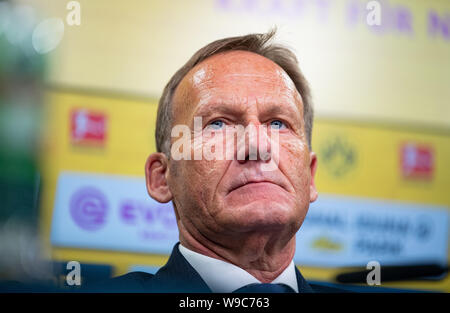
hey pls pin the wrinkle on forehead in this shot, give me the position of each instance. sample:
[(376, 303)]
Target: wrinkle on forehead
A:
[(204, 82), (288, 82)]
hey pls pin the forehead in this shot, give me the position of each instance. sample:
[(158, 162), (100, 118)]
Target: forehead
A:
[(235, 75)]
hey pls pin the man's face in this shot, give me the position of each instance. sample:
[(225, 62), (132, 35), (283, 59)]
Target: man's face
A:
[(222, 197)]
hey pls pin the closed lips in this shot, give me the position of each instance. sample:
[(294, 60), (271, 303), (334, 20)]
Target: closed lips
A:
[(245, 183)]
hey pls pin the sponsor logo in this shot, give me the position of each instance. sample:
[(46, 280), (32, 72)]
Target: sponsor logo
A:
[(88, 128), (416, 161), (152, 221), (339, 156), (88, 208), (326, 244)]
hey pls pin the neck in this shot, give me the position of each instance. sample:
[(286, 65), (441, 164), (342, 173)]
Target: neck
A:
[(265, 255)]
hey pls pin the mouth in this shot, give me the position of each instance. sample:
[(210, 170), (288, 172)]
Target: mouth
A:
[(255, 184)]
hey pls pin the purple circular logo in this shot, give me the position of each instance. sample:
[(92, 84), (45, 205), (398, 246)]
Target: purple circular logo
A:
[(88, 207)]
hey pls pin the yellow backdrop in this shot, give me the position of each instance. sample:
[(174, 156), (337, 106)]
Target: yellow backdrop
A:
[(373, 172)]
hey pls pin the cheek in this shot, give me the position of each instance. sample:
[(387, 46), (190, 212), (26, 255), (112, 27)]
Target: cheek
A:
[(212, 146), (196, 180), (294, 163)]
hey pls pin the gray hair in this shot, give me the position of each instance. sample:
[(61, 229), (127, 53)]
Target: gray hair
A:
[(257, 43)]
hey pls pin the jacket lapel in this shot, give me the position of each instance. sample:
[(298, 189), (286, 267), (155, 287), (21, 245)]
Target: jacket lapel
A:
[(177, 276), (303, 286)]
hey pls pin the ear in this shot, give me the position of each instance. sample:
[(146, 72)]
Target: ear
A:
[(312, 167), (156, 169)]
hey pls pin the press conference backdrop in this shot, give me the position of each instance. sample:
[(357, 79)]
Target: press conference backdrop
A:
[(382, 128)]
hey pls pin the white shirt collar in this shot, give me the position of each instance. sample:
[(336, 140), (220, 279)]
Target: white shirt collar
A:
[(225, 277)]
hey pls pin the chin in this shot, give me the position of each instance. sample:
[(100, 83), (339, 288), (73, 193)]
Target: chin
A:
[(263, 215)]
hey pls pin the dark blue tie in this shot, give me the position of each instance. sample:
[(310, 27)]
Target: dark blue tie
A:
[(265, 288)]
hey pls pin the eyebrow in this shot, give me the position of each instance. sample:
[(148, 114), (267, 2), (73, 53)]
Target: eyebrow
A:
[(233, 108), (219, 106), (277, 110)]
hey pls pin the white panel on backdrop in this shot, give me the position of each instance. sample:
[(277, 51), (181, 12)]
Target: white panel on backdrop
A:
[(114, 212), (111, 212), (345, 231)]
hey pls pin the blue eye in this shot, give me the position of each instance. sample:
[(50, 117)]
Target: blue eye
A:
[(277, 124), (216, 125)]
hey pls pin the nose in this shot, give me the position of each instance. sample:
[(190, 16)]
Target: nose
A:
[(253, 144)]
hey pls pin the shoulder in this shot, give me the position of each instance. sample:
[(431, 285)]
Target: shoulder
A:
[(130, 282)]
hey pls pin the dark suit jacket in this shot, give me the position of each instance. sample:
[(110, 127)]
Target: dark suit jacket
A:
[(178, 276)]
